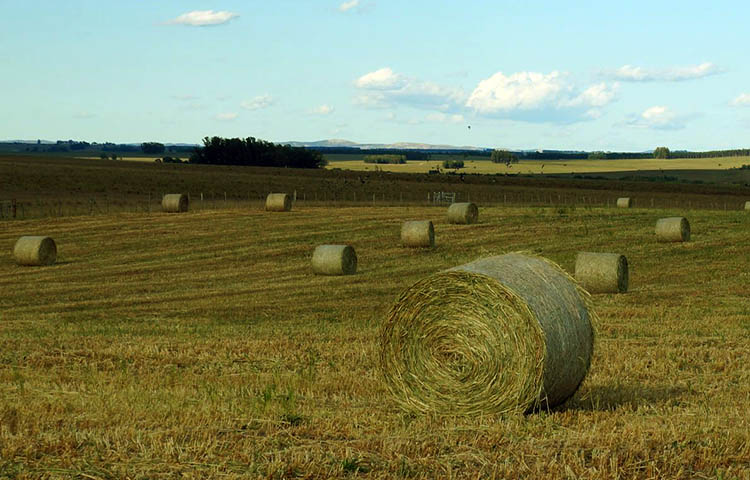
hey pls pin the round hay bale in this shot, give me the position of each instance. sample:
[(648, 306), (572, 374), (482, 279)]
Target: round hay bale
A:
[(463, 213), (602, 272), (418, 233), (747, 205), (334, 260), (35, 250), (278, 202), (672, 229), (174, 203), (624, 202), (502, 334)]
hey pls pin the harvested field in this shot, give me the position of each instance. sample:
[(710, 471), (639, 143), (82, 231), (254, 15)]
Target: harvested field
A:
[(154, 348)]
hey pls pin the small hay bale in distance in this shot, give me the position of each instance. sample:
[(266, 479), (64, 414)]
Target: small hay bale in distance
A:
[(464, 213), (334, 260), (503, 334), (673, 229), (624, 202), (34, 250), (747, 205), (175, 203), (418, 234), (278, 202), (602, 272)]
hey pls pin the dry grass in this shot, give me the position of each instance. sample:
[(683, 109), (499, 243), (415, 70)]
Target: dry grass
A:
[(170, 345), (554, 166)]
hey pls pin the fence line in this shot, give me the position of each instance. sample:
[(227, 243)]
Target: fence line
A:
[(150, 203)]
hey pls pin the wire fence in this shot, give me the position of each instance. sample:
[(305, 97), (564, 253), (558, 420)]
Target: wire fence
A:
[(150, 203)]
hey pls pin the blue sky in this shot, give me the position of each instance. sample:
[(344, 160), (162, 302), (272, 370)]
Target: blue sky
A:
[(588, 75)]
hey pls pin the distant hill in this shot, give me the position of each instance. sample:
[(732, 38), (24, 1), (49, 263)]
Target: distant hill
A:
[(339, 143)]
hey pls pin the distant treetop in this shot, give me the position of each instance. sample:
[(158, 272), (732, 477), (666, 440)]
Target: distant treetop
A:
[(255, 152)]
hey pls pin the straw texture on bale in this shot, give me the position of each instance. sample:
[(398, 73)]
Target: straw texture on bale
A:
[(334, 260), (174, 203), (602, 272), (278, 202), (463, 213), (35, 250), (673, 229), (624, 202), (747, 205), (502, 334), (418, 233)]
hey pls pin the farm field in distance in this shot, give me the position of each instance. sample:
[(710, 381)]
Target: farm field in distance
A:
[(200, 344), (45, 186), (484, 165)]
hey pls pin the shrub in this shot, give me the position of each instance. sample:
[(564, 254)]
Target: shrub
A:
[(385, 159)]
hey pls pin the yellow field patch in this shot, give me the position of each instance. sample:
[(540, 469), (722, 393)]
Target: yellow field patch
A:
[(553, 166)]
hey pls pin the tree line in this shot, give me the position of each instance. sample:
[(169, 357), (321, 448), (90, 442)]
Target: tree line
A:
[(254, 152)]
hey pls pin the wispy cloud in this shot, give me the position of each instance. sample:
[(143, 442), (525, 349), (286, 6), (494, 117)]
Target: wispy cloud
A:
[(384, 88), (539, 97), (83, 115), (322, 110), (186, 97), (226, 116), (203, 18), (742, 100), (658, 117), (440, 117), (630, 73), (346, 6), (259, 102)]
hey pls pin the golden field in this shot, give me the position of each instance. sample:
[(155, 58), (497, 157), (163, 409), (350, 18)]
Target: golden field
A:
[(201, 345)]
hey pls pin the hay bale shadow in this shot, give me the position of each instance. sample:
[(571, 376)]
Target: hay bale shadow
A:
[(600, 398)]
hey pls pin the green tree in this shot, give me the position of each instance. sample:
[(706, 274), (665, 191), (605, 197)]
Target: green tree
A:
[(503, 156), (152, 147), (453, 164), (661, 152)]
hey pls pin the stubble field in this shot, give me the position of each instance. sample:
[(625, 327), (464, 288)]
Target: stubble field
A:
[(201, 345)]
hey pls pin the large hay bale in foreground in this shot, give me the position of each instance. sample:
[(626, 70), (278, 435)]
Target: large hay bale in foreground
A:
[(624, 202), (35, 250), (418, 233), (278, 202), (602, 272), (334, 260), (463, 213), (672, 229), (502, 334), (174, 203)]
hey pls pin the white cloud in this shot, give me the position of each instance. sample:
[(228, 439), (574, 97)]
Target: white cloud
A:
[(346, 6), (83, 115), (629, 73), (533, 96), (440, 117), (658, 117), (259, 102), (384, 88), (322, 110), (202, 18), (383, 79), (742, 100), (227, 116)]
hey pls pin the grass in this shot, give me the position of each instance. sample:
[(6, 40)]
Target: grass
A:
[(202, 345), (55, 186)]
